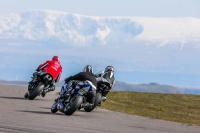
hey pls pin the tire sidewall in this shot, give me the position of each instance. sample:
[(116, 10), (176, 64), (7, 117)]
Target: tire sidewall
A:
[(96, 102), (74, 104), (36, 91), (54, 108)]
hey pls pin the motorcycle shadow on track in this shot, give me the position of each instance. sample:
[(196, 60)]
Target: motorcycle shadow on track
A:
[(45, 108), (37, 112), (16, 98)]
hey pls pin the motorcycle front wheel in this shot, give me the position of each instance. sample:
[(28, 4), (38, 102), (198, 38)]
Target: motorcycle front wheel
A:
[(54, 108)]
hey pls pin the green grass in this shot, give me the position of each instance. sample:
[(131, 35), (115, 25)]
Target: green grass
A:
[(180, 108)]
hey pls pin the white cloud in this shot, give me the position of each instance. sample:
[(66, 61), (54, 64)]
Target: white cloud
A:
[(132, 43), (173, 29), (50, 28), (101, 34), (162, 44), (80, 30)]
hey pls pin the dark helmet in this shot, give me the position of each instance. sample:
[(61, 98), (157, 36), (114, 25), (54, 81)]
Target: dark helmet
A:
[(109, 68), (55, 58), (88, 68)]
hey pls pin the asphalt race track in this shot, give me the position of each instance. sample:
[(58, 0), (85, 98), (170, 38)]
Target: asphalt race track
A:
[(19, 115)]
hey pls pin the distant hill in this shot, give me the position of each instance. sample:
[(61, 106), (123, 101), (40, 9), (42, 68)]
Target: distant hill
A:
[(190, 90), (121, 86), (151, 87), (13, 82)]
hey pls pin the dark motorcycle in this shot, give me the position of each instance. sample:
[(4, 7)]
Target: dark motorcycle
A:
[(96, 102), (40, 82), (102, 87), (73, 98)]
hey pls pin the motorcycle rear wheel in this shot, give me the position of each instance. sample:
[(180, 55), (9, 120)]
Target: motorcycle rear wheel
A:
[(36, 91), (96, 102), (73, 105)]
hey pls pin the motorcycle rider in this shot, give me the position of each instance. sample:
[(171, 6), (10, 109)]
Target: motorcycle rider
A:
[(108, 74), (52, 67), (83, 77)]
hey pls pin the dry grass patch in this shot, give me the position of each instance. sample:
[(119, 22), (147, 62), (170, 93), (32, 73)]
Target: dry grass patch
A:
[(172, 107)]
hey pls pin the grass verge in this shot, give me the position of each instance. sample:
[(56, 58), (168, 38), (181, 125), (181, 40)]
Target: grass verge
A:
[(180, 108)]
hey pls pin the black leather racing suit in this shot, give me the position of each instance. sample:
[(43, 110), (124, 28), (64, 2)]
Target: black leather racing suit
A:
[(109, 76), (83, 76)]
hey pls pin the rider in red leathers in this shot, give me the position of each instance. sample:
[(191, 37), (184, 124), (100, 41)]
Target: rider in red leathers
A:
[(52, 67)]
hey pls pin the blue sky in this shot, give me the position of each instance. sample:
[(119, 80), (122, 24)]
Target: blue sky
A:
[(143, 64), (145, 8)]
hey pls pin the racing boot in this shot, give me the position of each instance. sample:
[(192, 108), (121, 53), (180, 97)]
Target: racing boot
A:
[(43, 93), (51, 88), (26, 95), (104, 98)]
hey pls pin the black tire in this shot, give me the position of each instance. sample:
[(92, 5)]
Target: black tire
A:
[(54, 108), (96, 102), (73, 105), (36, 91)]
